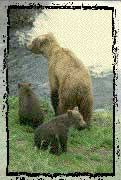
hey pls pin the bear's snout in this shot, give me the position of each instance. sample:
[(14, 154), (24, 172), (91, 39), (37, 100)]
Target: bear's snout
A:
[(29, 46), (83, 124)]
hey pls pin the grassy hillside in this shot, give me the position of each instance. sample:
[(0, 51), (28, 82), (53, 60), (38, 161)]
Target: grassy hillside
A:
[(88, 150)]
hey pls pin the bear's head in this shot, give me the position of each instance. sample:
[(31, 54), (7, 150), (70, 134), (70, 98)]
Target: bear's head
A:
[(76, 118), (41, 44), (24, 87)]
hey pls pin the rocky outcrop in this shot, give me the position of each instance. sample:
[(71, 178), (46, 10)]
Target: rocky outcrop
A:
[(22, 17)]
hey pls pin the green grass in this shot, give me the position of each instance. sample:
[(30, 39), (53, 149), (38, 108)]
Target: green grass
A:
[(88, 150)]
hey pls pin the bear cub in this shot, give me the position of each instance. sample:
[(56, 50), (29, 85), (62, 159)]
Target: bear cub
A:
[(30, 110), (55, 132)]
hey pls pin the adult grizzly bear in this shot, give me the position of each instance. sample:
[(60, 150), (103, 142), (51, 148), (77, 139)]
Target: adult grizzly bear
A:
[(55, 132), (69, 79), (30, 110)]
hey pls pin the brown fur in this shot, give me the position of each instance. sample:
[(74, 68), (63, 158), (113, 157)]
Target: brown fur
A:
[(55, 132), (30, 111), (69, 79)]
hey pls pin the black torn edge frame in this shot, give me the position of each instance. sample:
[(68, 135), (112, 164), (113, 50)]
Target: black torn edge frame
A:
[(115, 77)]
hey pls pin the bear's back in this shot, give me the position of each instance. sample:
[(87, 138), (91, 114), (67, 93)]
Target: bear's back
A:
[(54, 126)]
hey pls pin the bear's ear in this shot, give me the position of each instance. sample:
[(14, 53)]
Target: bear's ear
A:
[(41, 40), (76, 108), (50, 35), (19, 85), (69, 113)]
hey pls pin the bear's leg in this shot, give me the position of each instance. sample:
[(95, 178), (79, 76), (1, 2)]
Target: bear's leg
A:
[(35, 124), (23, 121), (45, 144), (54, 149), (54, 99), (37, 140), (61, 107), (37, 144), (63, 142)]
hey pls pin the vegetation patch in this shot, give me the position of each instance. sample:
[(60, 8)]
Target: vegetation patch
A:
[(88, 150)]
